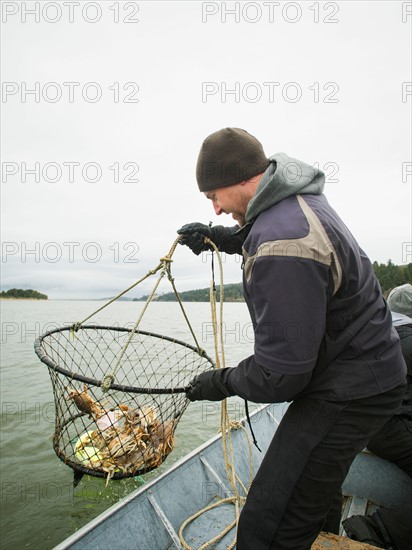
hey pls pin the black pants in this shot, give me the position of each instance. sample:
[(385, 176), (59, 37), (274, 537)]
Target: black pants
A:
[(297, 490), (394, 442)]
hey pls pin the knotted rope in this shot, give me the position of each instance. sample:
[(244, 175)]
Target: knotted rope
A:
[(165, 269)]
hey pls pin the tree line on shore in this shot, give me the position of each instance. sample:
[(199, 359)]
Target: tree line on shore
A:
[(231, 293), (21, 293), (389, 276)]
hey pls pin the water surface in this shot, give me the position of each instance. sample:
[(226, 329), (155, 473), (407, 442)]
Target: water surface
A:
[(40, 507)]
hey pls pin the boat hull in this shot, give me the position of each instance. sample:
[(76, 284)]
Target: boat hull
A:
[(150, 517)]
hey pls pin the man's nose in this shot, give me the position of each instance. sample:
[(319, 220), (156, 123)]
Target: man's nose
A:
[(217, 208)]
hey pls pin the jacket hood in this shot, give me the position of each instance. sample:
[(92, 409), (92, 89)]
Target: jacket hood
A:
[(399, 319), (284, 177)]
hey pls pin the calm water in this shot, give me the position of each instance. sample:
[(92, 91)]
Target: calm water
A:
[(39, 505)]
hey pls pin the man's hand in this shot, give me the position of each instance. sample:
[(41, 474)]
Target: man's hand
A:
[(193, 236), (208, 386), (227, 239)]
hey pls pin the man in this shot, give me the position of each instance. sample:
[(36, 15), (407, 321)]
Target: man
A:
[(394, 440), (391, 527), (323, 335)]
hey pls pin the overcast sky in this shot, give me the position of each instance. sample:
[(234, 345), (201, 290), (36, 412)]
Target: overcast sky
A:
[(105, 106)]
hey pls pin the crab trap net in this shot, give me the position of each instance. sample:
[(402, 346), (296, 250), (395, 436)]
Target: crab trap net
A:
[(119, 392)]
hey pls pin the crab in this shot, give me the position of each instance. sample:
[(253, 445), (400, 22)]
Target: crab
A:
[(145, 417), (123, 443), (126, 439), (86, 404)]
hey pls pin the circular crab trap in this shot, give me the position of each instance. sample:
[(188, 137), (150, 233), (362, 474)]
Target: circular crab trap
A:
[(119, 393)]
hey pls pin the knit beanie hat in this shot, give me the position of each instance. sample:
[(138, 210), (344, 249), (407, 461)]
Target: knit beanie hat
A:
[(229, 156), (400, 300)]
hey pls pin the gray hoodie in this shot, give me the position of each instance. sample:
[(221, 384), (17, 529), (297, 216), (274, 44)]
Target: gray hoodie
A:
[(284, 177)]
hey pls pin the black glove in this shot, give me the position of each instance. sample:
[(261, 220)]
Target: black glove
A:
[(193, 236), (208, 385), (227, 239)]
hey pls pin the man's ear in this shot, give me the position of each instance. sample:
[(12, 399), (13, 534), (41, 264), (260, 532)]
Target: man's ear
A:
[(254, 179)]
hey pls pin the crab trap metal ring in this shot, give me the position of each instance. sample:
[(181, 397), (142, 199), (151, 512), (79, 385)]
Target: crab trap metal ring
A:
[(129, 430)]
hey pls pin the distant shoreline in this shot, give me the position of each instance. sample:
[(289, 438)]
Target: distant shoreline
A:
[(24, 299)]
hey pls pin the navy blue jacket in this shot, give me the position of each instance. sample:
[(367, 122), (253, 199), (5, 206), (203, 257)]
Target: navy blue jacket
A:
[(322, 327)]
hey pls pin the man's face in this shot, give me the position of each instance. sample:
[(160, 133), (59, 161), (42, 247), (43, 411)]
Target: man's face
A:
[(229, 200)]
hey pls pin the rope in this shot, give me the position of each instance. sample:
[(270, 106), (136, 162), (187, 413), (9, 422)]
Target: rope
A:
[(237, 499), (165, 268), (76, 326), (108, 379)]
